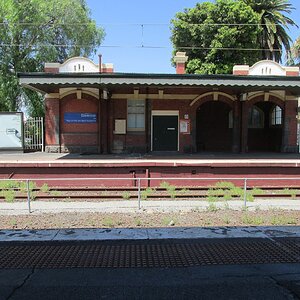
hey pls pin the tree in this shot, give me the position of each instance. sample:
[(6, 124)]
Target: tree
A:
[(36, 31), (295, 53), (198, 31), (273, 23)]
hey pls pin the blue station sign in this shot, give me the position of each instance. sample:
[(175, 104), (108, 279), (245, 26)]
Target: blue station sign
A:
[(82, 118)]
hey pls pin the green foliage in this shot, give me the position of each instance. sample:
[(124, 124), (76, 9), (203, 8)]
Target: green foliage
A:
[(9, 188), (37, 31), (274, 24), (212, 207), (126, 195), (9, 195), (295, 53), (224, 190), (164, 184), (171, 189), (283, 220), (108, 222), (55, 193), (197, 32), (291, 192), (138, 222), (184, 191), (248, 219), (147, 193), (44, 188), (226, 220), (169, 221)]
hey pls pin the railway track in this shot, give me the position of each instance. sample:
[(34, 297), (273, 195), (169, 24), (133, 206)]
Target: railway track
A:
[(93, 193)]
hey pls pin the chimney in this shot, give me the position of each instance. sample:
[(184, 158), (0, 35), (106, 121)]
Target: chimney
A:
[(180, 59), (241, 70), (51, 68), (292, 71)]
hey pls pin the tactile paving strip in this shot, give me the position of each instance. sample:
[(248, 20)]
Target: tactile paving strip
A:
[(148, 254)]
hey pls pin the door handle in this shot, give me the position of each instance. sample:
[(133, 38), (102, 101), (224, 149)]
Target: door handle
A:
[(170, 128)]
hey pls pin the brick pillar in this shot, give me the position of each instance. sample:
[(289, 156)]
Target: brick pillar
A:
[(289, 134), (244, 126), (104, 125), (236, 114), (52, 128), (110, 126)]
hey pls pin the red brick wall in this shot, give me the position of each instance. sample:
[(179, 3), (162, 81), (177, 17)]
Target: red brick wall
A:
[(51, 122), (79, 134), (132, 141), (88, 134), (292, 73), (183, 106), (291, 124), (180, 68), (51, 70), (240, 72)]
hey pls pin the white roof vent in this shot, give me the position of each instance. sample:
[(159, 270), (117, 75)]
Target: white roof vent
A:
[(78, 65), (268, 68)]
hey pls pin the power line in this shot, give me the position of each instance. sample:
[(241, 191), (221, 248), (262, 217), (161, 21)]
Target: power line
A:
[(144, 46), (138, 24)]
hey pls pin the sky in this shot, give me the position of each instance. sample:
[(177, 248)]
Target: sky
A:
[(125, 35)]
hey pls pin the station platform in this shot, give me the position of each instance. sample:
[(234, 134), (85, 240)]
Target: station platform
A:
[(155, 165)]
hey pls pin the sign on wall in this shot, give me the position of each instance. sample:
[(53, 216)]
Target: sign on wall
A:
[(80, 118), (11, 131), (185, 126)]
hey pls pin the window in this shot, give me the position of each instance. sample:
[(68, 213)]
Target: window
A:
[(276, 116), (256, 118), (136, 115)]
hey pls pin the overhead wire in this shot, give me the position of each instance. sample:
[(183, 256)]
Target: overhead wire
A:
[(140, 24), (142, 45)]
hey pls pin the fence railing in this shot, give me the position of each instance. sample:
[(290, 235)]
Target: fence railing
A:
[(34, 134), (241, 191)]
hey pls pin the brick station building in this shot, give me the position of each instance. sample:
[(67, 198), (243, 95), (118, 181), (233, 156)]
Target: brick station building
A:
[(89, 108)]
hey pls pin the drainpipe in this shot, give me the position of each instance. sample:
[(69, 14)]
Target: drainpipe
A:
[(100, 63)]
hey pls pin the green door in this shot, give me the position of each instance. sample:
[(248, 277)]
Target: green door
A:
[(165, 133)]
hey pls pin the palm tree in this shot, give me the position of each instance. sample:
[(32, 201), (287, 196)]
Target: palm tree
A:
[(295, 59), (273, 24)]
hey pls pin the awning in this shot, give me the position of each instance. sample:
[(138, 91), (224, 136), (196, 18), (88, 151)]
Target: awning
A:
[(47, 82)]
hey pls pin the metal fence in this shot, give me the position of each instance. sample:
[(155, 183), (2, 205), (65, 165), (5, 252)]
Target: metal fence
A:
[(34, 134), (243, 187)]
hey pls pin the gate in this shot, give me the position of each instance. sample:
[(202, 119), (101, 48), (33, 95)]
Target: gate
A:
[(34, 134)]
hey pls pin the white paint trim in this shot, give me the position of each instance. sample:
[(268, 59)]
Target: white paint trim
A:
[(52, 65), (155, 96), (52, 96), (215, 96), (258, 94), (75, 58), (164, 113), (71, 91)]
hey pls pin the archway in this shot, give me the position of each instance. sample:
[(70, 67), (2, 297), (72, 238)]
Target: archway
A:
[(214, 127), (265, 122)]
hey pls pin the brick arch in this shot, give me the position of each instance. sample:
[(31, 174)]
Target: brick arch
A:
[(273, 99), (229, 99), (212, 124), (76, 137), (73, 96), (269, 138)]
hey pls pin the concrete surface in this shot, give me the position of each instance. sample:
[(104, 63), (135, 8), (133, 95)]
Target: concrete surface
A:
[(149, 233), (126, 206), (276, 282)]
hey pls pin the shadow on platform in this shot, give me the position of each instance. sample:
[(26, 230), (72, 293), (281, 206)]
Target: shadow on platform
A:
[(176, 155)]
